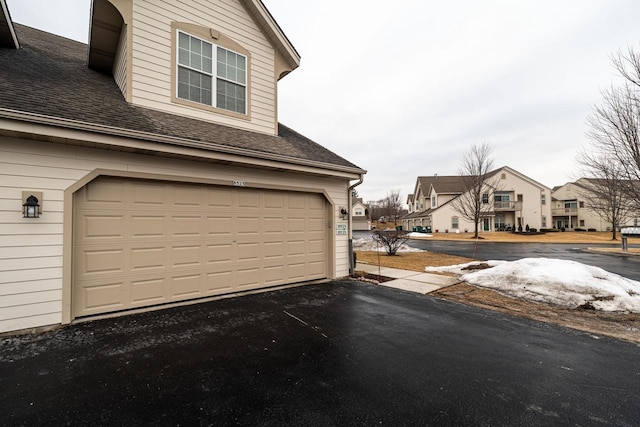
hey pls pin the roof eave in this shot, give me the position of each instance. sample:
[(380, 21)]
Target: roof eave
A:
[(266, 21), (37, 119), (10, 38)]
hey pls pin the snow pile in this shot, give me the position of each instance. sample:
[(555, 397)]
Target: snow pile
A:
[(554, 281), (369, 245)]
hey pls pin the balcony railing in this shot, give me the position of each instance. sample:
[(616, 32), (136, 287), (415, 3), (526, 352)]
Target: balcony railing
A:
[(564, 211), (511, 205)]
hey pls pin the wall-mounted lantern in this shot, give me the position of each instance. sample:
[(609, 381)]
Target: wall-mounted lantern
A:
[(344, 213), (31, 206)]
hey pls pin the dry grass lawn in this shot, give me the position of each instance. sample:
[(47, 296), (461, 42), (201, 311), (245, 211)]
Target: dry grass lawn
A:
[(624, 326)]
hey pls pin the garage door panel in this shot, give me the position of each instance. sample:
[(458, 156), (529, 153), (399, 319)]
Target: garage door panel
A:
[(148, 258), (108, 191), (296, 201), (186, 256), (146, 195), (316, 204), (274, 201), (220, 197), (248, 225), (103, 262), (315, 247), (104, 226), (248, 277), (187, 286), (274, 249), (218, 281), (274, 274), (151, 291), (273, 225), (248, 252), (296, 225), (104, 297), (145, 226), (219, 253), (248, 199), (296, 248), (186, 196), (165, 242), (219, 225), (185, 226)]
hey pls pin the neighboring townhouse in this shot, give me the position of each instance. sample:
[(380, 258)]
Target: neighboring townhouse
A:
[(360, 217), (515, 200), (148, 167), (571, 209)]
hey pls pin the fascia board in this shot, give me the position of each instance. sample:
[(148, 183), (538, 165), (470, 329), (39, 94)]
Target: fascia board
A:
[(79, 131)]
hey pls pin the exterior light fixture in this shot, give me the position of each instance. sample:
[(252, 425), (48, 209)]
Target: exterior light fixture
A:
[(344, 213), (31, 208)]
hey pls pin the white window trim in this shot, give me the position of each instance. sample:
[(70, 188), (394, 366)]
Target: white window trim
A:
[(213, 75)]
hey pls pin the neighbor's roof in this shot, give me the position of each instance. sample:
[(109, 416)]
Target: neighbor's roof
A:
[(48, 78), (441, 184)]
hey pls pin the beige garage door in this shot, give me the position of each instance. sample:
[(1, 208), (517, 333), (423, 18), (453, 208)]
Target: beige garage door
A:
[(139, 243)]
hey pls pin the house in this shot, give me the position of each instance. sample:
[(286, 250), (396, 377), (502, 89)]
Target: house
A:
[(360, 217), (148, 167), (514, 200), (571, 208)]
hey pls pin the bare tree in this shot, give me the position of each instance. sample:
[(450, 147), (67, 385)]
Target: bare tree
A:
[(615, 125), (392, 240), (477, 185), (392, 204), (604, 192)]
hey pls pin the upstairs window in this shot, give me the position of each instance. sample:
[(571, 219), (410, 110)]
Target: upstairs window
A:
[(211, 75), (543, 199), (433, 202)]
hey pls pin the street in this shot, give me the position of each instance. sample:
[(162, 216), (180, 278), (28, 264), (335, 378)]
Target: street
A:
[(627, 266)]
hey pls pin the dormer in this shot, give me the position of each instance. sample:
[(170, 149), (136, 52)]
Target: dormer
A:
[(211, 60)]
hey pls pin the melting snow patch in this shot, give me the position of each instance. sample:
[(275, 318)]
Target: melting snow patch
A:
[(566, 283)]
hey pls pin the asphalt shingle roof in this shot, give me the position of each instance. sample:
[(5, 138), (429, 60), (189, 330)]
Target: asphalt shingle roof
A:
[(48, 76)]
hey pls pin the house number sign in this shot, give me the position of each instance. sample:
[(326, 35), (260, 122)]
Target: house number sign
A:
[(341, 229), (238, 183)]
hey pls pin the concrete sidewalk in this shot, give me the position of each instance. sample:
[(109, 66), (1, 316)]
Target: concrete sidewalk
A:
[(412, 281)]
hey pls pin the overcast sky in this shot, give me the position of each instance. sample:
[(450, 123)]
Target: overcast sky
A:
[(405, 88)]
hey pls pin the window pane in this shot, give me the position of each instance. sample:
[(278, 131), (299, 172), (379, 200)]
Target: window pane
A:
[(183, 90), (196, 45), (206, 96), (206, 50), (183, 57), (196, 61), (183, 41)]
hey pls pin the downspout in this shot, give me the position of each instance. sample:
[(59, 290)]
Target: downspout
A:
[(349, 226)]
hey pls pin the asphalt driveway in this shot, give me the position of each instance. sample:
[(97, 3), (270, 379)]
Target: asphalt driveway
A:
[(340, 353)]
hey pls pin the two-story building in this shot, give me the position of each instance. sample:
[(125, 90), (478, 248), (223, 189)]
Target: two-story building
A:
[(360, 217), (149, 168), (513, 199), (571, 208)]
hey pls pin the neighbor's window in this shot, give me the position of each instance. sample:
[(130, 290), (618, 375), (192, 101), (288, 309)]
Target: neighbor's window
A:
[(582, 204), (433, 201), (543, 199), (485, 198), (454, 222), (582, 223), (543, 221), (358, 211), (211, 75)]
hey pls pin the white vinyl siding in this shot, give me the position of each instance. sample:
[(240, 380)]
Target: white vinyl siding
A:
[(152, 65), (31, 272), (120, 62)]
